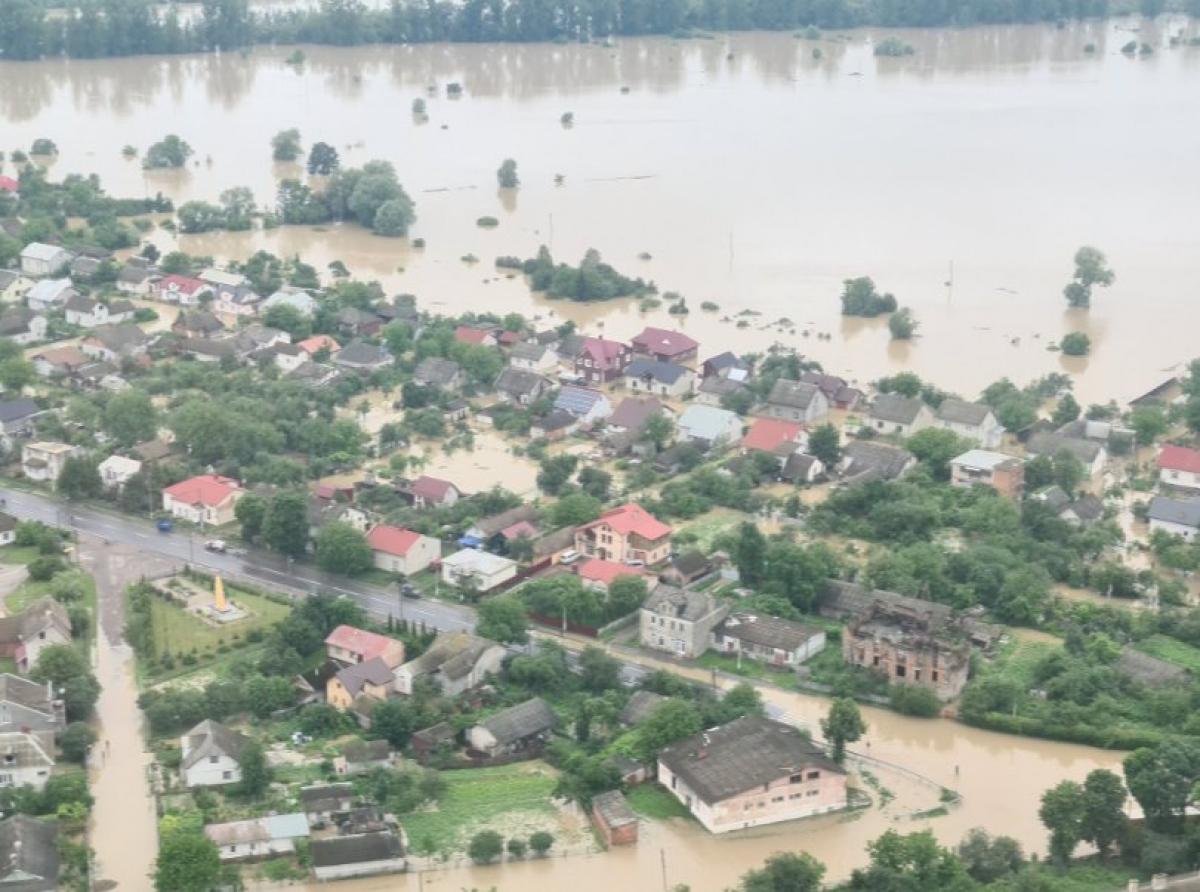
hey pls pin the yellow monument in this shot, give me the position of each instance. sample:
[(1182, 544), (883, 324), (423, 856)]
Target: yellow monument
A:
[(219, 603)]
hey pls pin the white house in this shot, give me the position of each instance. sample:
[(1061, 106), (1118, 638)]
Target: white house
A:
[(457, 662), (402, 551), (40, 260), (1179, 467), (659, 378), (892, 413), (589, 406), (796, 401), (25, 759), (8, 529), (258, 837), (302, 301), (1178, 517), (211, 755), (708, 426), (533, 357), (13, 285), (89, 313), (205, 499), (973, 421), (43, 461), (49, 294), (22, 325), (477, 570), (116, 470)]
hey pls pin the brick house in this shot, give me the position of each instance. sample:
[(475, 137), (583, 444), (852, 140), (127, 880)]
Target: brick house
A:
[(625, 534), (349, 645), (601, 360), (1001, 472), (614, 820), (679, 621), (929, 650)]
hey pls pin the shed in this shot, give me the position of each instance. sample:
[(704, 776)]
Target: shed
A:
[(614, 819)]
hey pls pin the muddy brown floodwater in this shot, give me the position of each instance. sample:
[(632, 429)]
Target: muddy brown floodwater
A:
[(753, 174)]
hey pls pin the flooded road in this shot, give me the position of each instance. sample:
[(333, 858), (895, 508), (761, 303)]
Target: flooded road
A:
[(752, 173)]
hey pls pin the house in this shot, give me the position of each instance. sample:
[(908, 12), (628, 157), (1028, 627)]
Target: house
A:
[(795, 401), (632, 413), (370, 680), (1179, 467), (59, 362), (713, 391), (913, 647), (973, 421), (17, 419), (724, 365), (288, 357), (310, 686), (358, 323), (314, 345), (677, 457), (626, 534), (1178, 517), (1090, 453), (600, 360), (112, 343), (257, 336), (43, 461), (40, 260), (13, 285), (441, 373), (24, 635), (679, 621), (455, 662), (842, 600), (198, 324), (361, 756), (26, 760), (665, 346), (402, 551), (1001, 472), (8, 529), (838, 391), (488, 532), (316, 375), (29, 859), (687, 568), (50, 294), (116, 470), (533, 357), (552, 546), (477, 570), (640, 706), (519, 386), (358, 356), (614, 819), (89, 313), (230, 291), (707, 427), (211, 755), (207, 499), (9, 185), (183, 290), (864, 460), (153, 452), (475, 337), (135, 279), (1149, 671), (357, 855), (775, 437), (208, 349), (432, 492), (768, 639), (30, 706), (600, 574), (801, 468), (23, 325), (660, 378), (350, 645), (323, 802), (892, 413), (436, 738), (554, 425), (300, 301), (521, 728), (258, 837), (749, 772)]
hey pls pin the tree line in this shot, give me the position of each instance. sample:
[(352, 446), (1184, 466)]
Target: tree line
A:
[(101, 28)]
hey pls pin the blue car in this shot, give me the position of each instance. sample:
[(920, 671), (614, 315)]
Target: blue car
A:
[(165, 525)]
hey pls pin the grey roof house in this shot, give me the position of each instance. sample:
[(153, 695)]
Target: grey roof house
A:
[(864, 460), (519, 728), (795, 401), (520, 386), (892, 413), (358, 356), (435, 371), (29, 860)]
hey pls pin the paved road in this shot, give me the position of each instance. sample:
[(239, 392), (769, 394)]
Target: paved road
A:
[(269, 569)]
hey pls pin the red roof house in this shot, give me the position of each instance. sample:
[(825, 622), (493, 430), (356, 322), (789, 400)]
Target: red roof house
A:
[(602, 360), (319, 342), (350, 645), (479, 337), (600, 574), (773, 436), (398, 550), (629, 534), (430, 491), (1179, 466), (664, 345), (206, 499), (8, 184), (176, 289)]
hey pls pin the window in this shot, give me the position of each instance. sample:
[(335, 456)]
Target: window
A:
[(813, 775), (796, 779), (777, 798), (901, 670), (934, 675), (213, 760), (812, 792), (226, 775)]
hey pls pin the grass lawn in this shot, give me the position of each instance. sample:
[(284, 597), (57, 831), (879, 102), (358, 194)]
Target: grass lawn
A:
[(708, 527), (748, 669), (503, 797), (178, 632), (1172, 650), (1018, 659), (18, 554), (652, 801)]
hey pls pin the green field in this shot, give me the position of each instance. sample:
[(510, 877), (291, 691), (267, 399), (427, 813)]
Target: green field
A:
[(1018, 659), (178, 632), (509, 799), (650, 800), (1172, 650)]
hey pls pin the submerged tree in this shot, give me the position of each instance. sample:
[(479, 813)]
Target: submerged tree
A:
[(1091, 268), (507, 174)]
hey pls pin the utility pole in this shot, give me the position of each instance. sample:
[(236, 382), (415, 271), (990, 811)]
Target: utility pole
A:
[(662, 855)]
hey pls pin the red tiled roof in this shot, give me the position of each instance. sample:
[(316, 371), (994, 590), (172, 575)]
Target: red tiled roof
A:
[(367, 645), (467, 335), (431, 488), (1179, 458), (392, 540), (319, 342), (632, 518), (605, 572), (8, 184), (660, 341), (206, 489), (182, 284), (769, 434), (508, 338), (603, 352), (519, 529)]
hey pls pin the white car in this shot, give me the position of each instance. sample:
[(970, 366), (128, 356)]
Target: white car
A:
[(217, 545), (569, 556)]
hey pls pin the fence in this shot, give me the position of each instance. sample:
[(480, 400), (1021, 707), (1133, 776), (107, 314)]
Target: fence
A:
[(1182, 882)]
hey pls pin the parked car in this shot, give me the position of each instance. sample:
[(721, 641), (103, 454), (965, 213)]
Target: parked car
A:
[(217, 545), (569, 556), (165, 525)]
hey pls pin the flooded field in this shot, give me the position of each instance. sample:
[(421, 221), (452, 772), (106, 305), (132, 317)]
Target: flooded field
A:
[(961, 178)]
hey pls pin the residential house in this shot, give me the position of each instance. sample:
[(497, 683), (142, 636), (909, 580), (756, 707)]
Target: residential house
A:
[(864, 460), (614, 820), (198, 324), (892, 413), (316, 375), (50, 294), (207, 499), (444, 374), (1111, 435), (972, 421), (477, 570), (357, 855), (1091, 453), (314, 345), (29, 858), (725, 365), (322, 803), (679, 621), (437, 738), (89, 313), (549, 549), (600, 360), (1001, 472), (30, 706), (358, 356), (432, 492), (795, 401), (1178, 517), (116, 470), (1179, 468), (40, 260), (749, 772), (258, 837), (768, 639), (257, 336), (533, 357), (300, 301), (1149, 671), (641, 705), (626, 534), (17, 419), (183, 290), (707, 427), (521, 728), (369, 680), (358, 323), (24, 635), (232, 293), (599, 574), (289, 357), (687, 568), (153, 452), (351, 645), (26, 760), (554, 425), (208, 349), (361, 756), (488, 532), (112, 343), (842, 600), (838, 391), (82, 269), (665, 379), (43, 461), (665, 346), (211, 755), (456, 662), (135, 279), (801, 468), (913, 647), (520, 387), (22, 325), (59, 362), (475, 337), (402, 551), (714, 390), (775, 437), (632, 414), (13, 285)]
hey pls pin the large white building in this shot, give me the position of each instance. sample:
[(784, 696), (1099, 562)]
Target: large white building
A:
[(477, 570)]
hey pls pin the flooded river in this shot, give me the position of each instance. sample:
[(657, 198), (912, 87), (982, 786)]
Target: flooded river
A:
[(752, 173)]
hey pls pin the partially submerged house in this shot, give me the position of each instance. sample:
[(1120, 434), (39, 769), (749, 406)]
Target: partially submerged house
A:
[(357, 855), (257, 837), (891, 413), (921, 648), (518, 729), (768, 639)]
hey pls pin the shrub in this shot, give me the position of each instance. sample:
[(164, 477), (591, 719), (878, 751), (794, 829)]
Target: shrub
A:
[(44, 566), (1076, 344), (487, 223), (912, 700), (485, 846), (541, 841), (516, 847)]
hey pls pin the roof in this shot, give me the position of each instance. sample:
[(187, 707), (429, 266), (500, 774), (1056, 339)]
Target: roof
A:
[(520, 721), (211, 738), (205, 489), (42, 251), (199, 320), (766, 631), (373, 671), (605, 572), (367, 751), (956, 411), (153, 450), (519, 382), (1087, 507), (685, 604), (726, 360), (318, 342), (1045, 443), (613, 808), (328, 795), (797, 466), (665, 372), (454, 655), (880, 459), (632, 413), (555, 420), (15, 410), (720, 386), (578, 400), (1185, 512), (529, 350), (7, 522), (1179, 458), (835, 388), (708, 422), (392, 540), (24, 692), (360, 353), (1148, 670), (121, 464), (771, 435), (81, 304), (222, 277), (603, 352), (493, 524), (896, 408), (359, 848), (663, 342), (982, 459), (437, 371), (558, 540), (1054, 496), (22, 750), (29, 848), (471, 560), (742, 755), (522, 529), (8, 184), (641, 706), (360, 641), (467, 335), (632, 518), (117, 336), (49, 291), (7, 277), (432, 489), (133, 275), (793, 394), (182, 284)]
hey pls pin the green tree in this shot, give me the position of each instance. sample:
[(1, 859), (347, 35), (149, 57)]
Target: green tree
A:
[(574, 509), (556, 472), (626, 594), (843, 724), (1149, 423), (343, 549), (285, 145), (1066, 411), (659, 430), (1062, 812), (130, 417), (859, 298), (79, 478), (670, 721), (16, 374), (540, 842), (935, 447), (250, 511), (913, 861), (503, 619), (1103, 822), (1077, 343), (188, 861), (322, 159), (1161, 778), (63, 666), (987, 858), (75, 742), (517, 847), (1091, 268), (396, 720), (598, 672), (507, 174), (825, 443), (785, 872), (256, 773), (750, 554), (595, 482), (902, 324), (285, 526), (395, 216), (1068, 471), (485, 846), (170, 151)]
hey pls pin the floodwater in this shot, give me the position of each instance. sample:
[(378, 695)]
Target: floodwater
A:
[(755, 176), (490, 462)]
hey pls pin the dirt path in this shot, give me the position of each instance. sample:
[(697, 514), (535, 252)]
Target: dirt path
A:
[(12, 576)]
